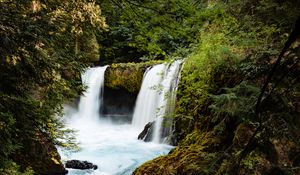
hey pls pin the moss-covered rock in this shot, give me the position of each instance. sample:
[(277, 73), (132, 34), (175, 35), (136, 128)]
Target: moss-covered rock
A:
[(191, 157), (41, 155), (127, 76), (207, 153)]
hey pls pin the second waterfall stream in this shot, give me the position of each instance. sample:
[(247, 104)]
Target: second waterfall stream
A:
[(114, 146), (157, 97)]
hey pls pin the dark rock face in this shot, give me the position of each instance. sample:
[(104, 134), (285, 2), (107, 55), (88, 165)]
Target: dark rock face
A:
[(82, 165), (146, 134), (41, 155), (118, 104)]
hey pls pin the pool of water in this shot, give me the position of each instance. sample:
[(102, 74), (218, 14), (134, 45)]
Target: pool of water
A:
[(113, 147)]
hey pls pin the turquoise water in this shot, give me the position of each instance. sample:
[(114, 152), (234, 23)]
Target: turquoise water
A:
[(114, 148)]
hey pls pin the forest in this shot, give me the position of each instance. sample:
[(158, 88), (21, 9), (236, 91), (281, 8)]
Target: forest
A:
[(237, 104)]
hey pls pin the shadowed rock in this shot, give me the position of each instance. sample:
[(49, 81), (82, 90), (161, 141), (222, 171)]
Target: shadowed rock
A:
[(82, 165), (146, 132)]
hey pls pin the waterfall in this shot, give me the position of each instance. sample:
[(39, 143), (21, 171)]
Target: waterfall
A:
[(110, 145), (90, 101), (146, 104), (169, 84), (156, 97)]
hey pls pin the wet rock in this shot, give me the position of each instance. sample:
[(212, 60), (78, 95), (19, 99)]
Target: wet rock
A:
[(118, 104), (148, 131), (146, 134), (82, 165)]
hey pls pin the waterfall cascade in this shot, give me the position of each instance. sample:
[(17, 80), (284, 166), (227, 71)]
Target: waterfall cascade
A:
[(166, 98), (146, 104), (90, 102), (110, 145), (156, 97)]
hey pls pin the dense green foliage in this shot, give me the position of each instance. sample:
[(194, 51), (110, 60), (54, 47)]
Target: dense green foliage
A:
[(224, 124), (11, 168), (40, 65), (220, 123), (143, 30)]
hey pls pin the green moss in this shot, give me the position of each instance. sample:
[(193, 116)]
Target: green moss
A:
[(128, 76), (190, 160), (190, 157)]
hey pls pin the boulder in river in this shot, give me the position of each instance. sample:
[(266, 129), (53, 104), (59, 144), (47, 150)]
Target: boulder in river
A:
[(82, 165), (146, 134)]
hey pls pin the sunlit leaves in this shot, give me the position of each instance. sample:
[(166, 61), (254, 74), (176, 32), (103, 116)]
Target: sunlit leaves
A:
[(79, 15)]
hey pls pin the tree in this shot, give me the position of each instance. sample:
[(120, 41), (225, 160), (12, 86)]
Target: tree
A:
[(149, 29), (40, 67)]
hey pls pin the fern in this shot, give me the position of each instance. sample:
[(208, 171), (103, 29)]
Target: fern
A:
[(238, 102)]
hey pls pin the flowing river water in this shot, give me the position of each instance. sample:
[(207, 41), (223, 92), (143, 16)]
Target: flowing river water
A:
[(112, 146)]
